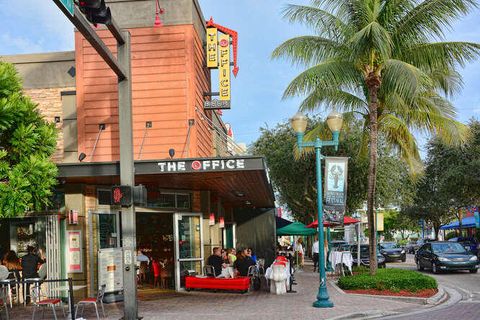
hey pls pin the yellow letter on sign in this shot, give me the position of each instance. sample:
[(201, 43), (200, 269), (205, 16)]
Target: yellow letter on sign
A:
[(212, 46), (224, 67)]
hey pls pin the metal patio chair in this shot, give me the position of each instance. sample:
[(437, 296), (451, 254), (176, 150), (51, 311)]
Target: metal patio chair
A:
[(48, 302), (209, 271), (94, 301), (3, 303)]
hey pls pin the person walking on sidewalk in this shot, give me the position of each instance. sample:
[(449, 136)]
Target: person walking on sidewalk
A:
[(315, 251)]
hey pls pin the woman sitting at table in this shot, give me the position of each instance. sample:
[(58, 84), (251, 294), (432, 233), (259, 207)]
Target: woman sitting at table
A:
[(12, 262), (243, 262)]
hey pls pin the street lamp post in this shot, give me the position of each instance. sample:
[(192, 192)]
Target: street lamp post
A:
[(299, 125)]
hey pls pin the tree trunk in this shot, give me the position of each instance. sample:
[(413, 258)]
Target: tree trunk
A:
[(373, 84)]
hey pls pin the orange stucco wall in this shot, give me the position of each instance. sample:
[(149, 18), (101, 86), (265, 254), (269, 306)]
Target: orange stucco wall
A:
[(168, 81)]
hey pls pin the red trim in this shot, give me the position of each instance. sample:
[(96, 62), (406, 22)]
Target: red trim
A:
[(234, 35)]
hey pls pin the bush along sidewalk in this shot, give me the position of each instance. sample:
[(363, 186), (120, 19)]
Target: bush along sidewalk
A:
[(394, 282)]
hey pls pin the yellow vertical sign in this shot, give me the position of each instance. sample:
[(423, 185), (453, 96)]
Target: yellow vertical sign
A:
[(224, 67), (212, 48)]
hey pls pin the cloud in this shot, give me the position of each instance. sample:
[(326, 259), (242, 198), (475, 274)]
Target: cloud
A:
[(19, 44)]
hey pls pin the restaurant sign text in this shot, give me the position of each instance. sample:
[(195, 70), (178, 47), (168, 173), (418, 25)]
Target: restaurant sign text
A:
[(202, 165)]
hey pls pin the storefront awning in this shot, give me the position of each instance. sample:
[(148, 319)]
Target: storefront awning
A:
[(467, 222), (239, 181), (296, 229)]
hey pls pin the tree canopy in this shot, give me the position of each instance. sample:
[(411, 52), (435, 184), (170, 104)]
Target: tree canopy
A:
[(295, 180), (27, 141)]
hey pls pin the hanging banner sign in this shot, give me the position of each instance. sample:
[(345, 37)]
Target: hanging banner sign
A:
[(336, 171), (212, 48), (224, 67)]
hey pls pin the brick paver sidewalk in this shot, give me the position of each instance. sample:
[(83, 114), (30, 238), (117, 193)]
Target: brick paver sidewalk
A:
[(255, 305)]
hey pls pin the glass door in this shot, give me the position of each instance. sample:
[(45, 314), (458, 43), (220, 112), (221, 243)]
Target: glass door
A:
[(188, 246)]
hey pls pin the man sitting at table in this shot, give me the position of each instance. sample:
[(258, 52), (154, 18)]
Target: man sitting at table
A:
[(216, 261)]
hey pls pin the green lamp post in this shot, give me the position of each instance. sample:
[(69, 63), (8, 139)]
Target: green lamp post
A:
[(299, 125)]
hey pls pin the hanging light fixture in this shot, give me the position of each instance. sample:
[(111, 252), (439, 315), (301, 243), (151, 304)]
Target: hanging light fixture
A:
[(212, 219), (158, 11)]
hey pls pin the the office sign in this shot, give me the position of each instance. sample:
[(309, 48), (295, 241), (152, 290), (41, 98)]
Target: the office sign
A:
[(212, 47), (224, 67), (203, 165), (336, 172)]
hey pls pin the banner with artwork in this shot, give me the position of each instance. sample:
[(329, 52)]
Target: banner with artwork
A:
[(336, 172)]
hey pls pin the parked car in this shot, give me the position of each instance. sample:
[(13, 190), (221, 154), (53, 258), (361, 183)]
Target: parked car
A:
[(392, 251), (365, 256), (338, 244), (470, 244), (445, 255)]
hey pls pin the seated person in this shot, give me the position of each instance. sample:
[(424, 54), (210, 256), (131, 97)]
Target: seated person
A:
[(216, 261), (243, 262)]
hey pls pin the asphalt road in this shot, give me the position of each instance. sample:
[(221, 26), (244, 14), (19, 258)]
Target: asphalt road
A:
[(467, 284)]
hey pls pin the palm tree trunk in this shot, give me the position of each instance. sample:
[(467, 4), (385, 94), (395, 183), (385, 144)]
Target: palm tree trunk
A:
[(373, 84)]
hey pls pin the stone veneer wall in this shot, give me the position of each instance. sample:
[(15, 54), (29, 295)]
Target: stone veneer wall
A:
[(50, 106)]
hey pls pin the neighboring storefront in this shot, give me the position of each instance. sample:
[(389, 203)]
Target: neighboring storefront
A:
[(202, 190)]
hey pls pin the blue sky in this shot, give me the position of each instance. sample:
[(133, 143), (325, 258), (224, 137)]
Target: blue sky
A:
[(29, 26)]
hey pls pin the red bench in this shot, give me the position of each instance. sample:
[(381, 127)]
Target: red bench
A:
[(235, 284)]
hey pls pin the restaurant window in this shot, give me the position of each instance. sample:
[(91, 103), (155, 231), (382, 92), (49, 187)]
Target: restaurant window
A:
[(183, 201), (104, 196), (170, 200)]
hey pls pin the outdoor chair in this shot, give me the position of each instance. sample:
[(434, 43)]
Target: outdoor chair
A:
[(8, 285), (94, 301), (30, 282), (3, 302), (45, 303), (209, 271)]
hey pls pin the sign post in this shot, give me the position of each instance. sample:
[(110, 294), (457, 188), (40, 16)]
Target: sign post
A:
[(69, 5)]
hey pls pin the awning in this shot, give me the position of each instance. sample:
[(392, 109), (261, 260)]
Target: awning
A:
[(239, 181), (467, 222), (280, 222), (295, 229), (346, 221)]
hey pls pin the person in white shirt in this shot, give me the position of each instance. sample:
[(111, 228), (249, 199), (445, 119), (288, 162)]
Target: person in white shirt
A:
[(300, 252), (315, 251)]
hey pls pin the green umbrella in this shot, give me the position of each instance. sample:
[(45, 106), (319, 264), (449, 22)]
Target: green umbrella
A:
[(296, 229)]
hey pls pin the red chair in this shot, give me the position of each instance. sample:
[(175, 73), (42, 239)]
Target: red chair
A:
[(156, 273), (48, 302), (94, 301)]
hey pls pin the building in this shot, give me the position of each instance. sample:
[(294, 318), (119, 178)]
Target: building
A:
[(201, 192)]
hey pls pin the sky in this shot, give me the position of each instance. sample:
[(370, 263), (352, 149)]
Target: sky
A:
[(31, 26)]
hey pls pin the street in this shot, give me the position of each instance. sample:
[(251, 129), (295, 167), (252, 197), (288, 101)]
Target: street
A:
[(467, 285)]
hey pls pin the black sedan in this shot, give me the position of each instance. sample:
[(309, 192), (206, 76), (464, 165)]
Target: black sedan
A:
[(391, 251), (365, 257), (443, 256)]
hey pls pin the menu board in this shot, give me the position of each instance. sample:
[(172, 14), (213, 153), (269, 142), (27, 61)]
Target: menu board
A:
[(74, 251), (110, 269)]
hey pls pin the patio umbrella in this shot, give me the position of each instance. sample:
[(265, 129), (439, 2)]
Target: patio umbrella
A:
[(346, 221), (295, 229)]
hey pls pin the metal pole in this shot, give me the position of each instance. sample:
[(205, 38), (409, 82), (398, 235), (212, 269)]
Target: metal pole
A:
[(323, 300), (70, 298), (127, 177)]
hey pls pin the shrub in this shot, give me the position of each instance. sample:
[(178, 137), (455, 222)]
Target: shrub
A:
[(389, 279)]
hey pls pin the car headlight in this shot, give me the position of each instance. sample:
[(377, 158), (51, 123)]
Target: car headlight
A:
[(403, 251), (473, 258), (443, 259)]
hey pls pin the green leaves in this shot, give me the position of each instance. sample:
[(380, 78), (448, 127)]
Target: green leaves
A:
[(27, 175)]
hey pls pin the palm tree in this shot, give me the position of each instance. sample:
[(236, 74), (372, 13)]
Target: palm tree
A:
[(384, 61)]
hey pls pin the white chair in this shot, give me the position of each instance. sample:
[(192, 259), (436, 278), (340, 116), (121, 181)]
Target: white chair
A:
[(94, 301)]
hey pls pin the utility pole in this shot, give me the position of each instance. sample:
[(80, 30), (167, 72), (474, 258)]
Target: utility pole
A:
[(97, 12)]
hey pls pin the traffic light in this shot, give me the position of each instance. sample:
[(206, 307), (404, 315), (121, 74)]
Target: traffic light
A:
[(95, 11)]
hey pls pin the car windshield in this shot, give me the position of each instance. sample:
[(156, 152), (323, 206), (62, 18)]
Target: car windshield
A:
[(448, 248), (388, 245)]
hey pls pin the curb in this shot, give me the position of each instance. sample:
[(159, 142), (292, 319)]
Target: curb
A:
[(438, 298), (365, 315)]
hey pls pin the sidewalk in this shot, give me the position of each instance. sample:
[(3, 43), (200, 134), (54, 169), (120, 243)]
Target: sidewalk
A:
[(209, 305)]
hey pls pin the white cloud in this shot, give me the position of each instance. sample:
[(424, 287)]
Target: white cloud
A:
[(20, 44)]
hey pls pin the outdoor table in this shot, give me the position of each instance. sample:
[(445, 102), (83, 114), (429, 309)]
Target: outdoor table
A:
[(65, 288), (341, 258)]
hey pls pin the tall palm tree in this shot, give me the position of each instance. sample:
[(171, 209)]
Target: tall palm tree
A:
[(386, 62)]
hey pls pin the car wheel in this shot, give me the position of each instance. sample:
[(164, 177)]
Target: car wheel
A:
[(434, 268), (419, 267), (473, 270)]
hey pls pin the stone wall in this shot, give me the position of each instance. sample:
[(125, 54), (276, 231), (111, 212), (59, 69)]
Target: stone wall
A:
[(50, 106)]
